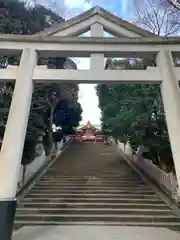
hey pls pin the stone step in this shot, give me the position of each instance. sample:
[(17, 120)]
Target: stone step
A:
[(93, 180), (76, 173), (172, 226), (81, 174), (89, 186), (108, 223), (89, 195), (92, 199), (97, 217), (108, 183), (151, 206), (93, 191), (92, 211), (92, 176), (96, 167)]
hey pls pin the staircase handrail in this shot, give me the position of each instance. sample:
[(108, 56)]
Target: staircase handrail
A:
[(166, 181)]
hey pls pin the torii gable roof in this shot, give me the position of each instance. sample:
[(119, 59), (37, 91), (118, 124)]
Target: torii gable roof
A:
[(96, 14)]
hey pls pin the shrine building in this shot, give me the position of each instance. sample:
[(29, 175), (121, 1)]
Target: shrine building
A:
[(89, 132)]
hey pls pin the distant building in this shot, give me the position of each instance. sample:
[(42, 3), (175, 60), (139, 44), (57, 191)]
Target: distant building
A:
[(89, 132)]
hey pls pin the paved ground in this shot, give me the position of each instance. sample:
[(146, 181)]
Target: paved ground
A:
[(95, 233)]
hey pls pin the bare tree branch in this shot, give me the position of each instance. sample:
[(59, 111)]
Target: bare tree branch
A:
[(157, 16), (174, 3)]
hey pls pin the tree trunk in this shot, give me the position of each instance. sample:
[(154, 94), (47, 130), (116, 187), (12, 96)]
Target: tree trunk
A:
[(23, 174), (50, 132)]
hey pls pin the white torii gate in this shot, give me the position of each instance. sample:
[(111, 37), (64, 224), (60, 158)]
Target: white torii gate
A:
[(62, 40)]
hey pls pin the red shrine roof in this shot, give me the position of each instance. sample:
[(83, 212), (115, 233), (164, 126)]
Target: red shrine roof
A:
[(89, 126)]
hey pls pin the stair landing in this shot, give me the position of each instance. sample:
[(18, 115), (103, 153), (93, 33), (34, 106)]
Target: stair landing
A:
[(94, 232)]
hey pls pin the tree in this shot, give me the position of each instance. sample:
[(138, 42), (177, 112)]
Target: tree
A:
[(18, 18), (157, 17), (134, 113), (174, 3)]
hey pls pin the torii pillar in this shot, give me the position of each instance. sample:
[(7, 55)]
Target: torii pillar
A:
[(97, 59), (171, 98), (13, 142)]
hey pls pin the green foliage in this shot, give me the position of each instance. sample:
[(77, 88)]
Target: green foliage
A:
[(134, 113), (16, 17)]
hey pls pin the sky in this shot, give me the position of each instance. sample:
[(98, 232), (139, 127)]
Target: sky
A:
[(71, 8)]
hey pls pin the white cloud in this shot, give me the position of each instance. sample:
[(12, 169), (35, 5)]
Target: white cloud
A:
[(89, 103), (87, 96), (74, 3), (75, 7), (87, 6), (78, 4)]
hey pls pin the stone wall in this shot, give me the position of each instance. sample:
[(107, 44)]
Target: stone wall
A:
[(166, 181), (38, 162)]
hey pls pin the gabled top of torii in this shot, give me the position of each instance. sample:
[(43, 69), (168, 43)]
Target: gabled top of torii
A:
[(82, 23)]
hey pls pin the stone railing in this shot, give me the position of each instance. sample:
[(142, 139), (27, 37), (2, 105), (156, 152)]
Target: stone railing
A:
[(38, 162), (166, 181)]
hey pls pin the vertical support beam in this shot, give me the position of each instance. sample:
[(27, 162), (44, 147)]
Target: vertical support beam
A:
[(97, 59), (171, 98), (13, 142)]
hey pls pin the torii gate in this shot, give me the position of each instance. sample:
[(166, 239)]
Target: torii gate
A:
[(62, 40)]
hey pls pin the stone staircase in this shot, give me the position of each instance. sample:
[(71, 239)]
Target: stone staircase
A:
[(92, 185)]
